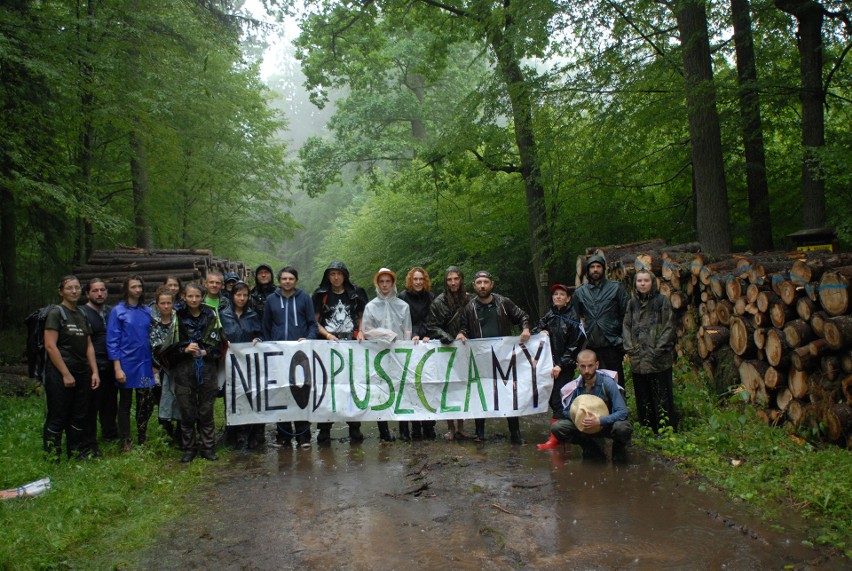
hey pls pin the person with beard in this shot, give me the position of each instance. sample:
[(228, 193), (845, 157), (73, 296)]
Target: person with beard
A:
[(418, 295), (602, 303), (492, 315), (566, 339), (263, 288), (649, 337), (289, 316), (103, 403), (610, 423), (444, 322), (387, 318), (339, 305)]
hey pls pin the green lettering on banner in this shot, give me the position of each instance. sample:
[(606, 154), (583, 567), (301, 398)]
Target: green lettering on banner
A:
[(334, 373), (362, 404), (444, 407), (473, 377), (381, 373), (396, 409), (418, 380)]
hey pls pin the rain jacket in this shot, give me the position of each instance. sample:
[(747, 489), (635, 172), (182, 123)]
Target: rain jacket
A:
[(566, 336), (289, 318), (648, 331), (602, 308), (243, 329), (356, 295), (128, 341), (508, 314), (204, 330), (386, 317), (163, 336), (444, 321), (418, 305), (259, 293)]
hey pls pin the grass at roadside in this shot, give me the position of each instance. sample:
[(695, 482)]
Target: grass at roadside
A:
[(771, 469), (96, 512)]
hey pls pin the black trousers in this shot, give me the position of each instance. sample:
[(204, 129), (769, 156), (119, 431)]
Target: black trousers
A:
[(612, 358), (144, 408), (555, 401), (66, 410), (655, 399)]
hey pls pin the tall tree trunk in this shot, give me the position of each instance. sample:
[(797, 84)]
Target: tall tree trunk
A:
[(8, 246), (810, 16), (705, 134), (752, 130), (139, 181), (520, 99), (87, 100)]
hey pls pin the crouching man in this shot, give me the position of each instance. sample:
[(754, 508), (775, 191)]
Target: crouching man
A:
[(586, 417)]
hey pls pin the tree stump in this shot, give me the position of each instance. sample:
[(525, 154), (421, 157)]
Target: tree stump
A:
[(837, 332), (777, 349), (751, 377), (798, 333), (834, 291), (742, 337)]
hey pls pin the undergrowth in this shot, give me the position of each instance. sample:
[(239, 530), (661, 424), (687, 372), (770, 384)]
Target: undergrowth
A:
[(770, 468)]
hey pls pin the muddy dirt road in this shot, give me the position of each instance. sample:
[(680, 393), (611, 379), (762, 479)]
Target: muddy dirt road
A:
[(440, 505)]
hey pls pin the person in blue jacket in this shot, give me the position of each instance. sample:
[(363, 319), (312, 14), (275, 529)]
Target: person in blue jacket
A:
[(242, 324), (129, 349), (288, 315)]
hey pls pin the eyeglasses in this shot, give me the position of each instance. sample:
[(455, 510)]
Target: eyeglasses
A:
[(72, 288)]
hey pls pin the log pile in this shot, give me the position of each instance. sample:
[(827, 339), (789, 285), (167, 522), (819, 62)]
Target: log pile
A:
[(781, 322), (113, 266)]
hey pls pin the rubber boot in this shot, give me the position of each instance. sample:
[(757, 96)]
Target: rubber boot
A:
[(480, 429), (384, 432), (552, 442), (324, 434), (404, 435), (515, 430), (355, 434)]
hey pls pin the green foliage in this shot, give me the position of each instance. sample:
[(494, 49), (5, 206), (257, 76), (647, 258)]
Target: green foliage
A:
[(770, 468), (96, 511)]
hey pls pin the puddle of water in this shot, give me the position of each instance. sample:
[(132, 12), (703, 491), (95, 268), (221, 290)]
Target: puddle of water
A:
[(440, 505)]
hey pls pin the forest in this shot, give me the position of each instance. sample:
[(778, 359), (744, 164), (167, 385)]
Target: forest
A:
[(501, 135)]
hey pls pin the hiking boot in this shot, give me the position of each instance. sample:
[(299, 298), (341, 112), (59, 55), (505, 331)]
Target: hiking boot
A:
[(355, 434), (404, 435), (324, 435), (209, 455), (384, 432), (480, 429), (188, 456)]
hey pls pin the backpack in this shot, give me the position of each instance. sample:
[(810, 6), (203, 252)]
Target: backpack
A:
[(36, 354)]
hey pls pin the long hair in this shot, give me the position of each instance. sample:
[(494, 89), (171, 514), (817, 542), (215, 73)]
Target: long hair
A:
[(409, 279), (455, 300), (125, 288)]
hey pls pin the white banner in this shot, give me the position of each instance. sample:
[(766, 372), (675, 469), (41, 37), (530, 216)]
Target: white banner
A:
[(326, 381)]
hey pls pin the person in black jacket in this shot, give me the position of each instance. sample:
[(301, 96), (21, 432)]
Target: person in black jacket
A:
[(566, 339), (104, 403), (194, 362), (339, 305), (492, 315), (263, 288), (418, 295)]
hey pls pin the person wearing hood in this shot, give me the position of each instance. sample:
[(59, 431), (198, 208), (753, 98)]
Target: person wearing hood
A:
[(601, 303), (418, 295), (263, 288), (339, 305), (387, 318), (231, 278), (288, 315), (566, 339), (649, 336)]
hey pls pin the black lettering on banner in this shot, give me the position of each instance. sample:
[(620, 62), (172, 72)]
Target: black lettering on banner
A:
[(301, 394), (533, 365), (258, 403), (269, 381), (512, 370), (319, 365), (235, 371)]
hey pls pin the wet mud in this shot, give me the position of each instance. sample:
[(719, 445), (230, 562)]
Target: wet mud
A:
[(463, 505)]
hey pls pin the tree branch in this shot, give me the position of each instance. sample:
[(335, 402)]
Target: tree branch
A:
[(496, 168)]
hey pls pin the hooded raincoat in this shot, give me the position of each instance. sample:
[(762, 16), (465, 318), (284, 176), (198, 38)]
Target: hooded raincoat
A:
[(386, 317), (340, 314), (128, 341), (602, 306), (648, 331)]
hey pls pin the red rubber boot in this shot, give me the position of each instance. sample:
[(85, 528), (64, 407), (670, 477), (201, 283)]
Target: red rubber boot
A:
[(551, 441)]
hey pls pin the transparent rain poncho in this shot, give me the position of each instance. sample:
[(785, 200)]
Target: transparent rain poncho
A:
[(386, 318)]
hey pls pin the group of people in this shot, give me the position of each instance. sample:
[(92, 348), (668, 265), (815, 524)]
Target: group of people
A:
[(168, 352)]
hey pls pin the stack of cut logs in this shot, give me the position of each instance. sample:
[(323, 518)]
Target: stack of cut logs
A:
[(782, 321), (113, 266)]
